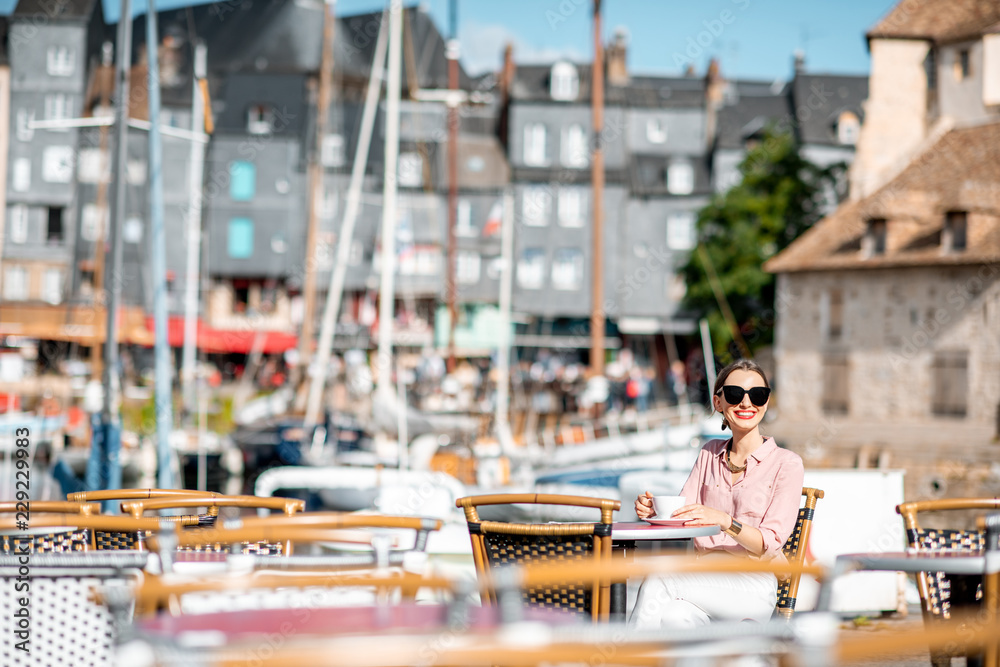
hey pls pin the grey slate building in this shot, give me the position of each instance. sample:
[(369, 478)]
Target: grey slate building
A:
[(48, 46)]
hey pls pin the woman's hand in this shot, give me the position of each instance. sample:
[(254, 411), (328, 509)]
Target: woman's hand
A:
[(644, 506), (700, 515)]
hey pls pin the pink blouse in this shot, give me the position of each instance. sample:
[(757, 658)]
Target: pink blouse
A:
[(766, 496)]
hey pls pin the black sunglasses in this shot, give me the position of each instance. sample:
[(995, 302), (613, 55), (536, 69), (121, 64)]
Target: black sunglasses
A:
[(734, 395)]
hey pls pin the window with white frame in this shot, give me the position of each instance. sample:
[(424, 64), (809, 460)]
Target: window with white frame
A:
[(656, 131), (463, 224), (52, 286), (420, 260), (410, 170), (848, 128), (567, 269), (132, 230), (467, 267), (22, 125), (574, 146), (531, 268), (535, 203), (680, 178), (260, 119), (57, 164), (17, 226), (535, 148), (93, 222), (58, 107), (564, 82), (680, 230), (494, 268), (92, 165), (20, 177), (15, 283), (572, 202), (60, 61), (332, 154)]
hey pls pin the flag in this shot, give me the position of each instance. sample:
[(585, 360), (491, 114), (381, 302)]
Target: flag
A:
[(494, 220)]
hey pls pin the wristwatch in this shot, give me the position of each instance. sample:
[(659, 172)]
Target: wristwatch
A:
[(734, 529)]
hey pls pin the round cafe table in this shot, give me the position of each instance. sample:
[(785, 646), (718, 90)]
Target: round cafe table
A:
[(624, 536)]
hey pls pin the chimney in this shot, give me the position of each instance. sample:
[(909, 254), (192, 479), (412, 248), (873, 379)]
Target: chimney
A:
[(617, 69), (800, 61), (505, 84), (715, 87)]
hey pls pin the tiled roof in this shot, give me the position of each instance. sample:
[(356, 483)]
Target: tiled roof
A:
[(821, 99), (749, 115), (65, 9), (938, 20), (531, 84), (961, 172)]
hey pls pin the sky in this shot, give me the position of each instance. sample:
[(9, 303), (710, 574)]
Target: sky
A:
[(753, 39)]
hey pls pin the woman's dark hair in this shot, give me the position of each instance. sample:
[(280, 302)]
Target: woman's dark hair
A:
[(738, 365)]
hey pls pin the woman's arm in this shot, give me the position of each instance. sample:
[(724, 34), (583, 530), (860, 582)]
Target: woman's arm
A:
[(644, 503)]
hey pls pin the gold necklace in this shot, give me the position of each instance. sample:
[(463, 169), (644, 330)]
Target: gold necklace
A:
[(729, 464)]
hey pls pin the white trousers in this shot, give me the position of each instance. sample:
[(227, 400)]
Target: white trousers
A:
[(691, 600)]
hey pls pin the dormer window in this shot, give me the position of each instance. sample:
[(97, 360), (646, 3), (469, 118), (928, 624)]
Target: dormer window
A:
[(656, 131), (564, 82), (848, 128), (260, 119), (963, 65), (955, 237), (874, 241)]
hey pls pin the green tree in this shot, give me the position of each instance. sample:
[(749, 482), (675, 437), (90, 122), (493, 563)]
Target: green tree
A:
[(778, 198)]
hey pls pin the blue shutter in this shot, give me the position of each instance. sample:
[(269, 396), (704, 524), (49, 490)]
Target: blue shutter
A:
[(240, 241), (242, 181)]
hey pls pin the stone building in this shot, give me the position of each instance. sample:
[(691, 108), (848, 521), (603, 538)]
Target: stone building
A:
[(888, 308)]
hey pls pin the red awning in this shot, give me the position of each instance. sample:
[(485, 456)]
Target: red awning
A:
[(211, 339)]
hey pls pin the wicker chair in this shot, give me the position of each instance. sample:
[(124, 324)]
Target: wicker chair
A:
[(941, 592), (137, 508), (61, 533), (795, 552), (496, 544), (118, 540)]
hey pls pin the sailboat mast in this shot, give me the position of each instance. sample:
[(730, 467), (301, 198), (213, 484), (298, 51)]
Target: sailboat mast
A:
[(451, 285), (191, 278), (387, 297), (597, 184), (316, 191), (158, 258), (504, 435), (109, 378), (339, 274)]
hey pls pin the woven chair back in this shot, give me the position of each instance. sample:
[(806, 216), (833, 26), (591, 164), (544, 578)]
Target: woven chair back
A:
[(795, 552), (939, 591), (497, 544)]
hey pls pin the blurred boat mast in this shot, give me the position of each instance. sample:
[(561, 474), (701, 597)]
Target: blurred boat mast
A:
[(345, 239), (316, 170), (597, 316)]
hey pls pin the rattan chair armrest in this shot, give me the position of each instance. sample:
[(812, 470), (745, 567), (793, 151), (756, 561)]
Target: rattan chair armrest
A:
[(270, 534), (52, 506), (136, 494), (103, 522), (287, 505), (537, 499), (341, 520), (156, 590)]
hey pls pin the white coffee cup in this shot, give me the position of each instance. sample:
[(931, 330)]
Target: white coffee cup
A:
[(664, 506)]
